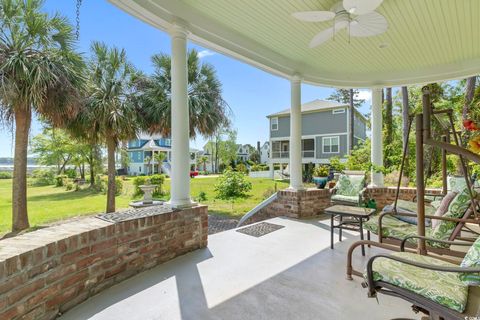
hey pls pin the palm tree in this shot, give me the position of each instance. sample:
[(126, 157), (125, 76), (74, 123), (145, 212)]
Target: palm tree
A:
[(203, 160), (159, 158), (208, 110), (111, 102), (40, 73), (148, 161)]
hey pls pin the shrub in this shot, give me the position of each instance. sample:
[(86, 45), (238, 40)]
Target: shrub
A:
[(118, 186), (71, 173), (359, 158), (307, 172), (231, 185), (202, 196), (60, 180), (6, 175), (259, 167), (242, 168), (137, 182), (156, 179), (42, 177), (391, 179), (336, 164), (101, 184), (321, 171), (69, 186)]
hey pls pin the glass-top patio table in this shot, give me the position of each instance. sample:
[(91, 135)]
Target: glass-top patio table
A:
[(356, 217)]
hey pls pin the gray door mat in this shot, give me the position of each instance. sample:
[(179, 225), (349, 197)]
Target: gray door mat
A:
[(260, 229)]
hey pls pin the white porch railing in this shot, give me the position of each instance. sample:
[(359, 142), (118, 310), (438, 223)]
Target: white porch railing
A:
[(286, 154)]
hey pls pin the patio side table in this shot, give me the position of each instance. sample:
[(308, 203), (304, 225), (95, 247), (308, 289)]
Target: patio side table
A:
[(356, 216)]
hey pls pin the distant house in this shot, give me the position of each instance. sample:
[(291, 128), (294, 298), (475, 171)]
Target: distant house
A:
[(142, 155), (325, 132), (243, 152), (265, 152)]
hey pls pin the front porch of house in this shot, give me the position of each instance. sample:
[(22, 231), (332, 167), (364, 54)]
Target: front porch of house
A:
[(290, 273)]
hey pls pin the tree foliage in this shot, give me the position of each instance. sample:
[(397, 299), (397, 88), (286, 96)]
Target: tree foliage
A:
[(343, 96), (40, 73), (208, 111), (232, 185), (111, 107)]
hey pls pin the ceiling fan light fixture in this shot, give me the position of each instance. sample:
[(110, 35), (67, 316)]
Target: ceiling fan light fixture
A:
[(357, 16)]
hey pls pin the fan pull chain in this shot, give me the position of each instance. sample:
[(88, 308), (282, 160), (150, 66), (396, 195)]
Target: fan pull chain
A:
[(334, 23), (78, 5), (349, 24)]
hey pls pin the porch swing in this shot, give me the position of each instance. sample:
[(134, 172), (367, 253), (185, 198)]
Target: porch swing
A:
[(393, 225), (436, 285)]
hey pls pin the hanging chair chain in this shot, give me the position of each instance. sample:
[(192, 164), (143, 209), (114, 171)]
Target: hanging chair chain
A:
[(79, 4)]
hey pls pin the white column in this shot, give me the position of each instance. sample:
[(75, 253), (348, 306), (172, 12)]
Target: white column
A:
[(377, 144), (271, 170), (180, 165), (296, 134)]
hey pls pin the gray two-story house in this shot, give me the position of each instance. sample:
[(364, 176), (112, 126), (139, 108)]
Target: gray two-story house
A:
[(325, 132)]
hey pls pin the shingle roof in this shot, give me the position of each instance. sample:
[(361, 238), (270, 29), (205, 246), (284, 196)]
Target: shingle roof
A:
[(315, 105)]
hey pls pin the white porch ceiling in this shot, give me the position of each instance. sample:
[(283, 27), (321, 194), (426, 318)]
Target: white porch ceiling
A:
[(427, 40)]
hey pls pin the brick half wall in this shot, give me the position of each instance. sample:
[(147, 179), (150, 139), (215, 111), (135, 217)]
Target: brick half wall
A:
[(310, 203), (48, 271)]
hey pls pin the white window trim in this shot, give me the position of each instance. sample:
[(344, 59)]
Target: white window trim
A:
[(323, 145), (271, 123), (338, 111), (314, 148)]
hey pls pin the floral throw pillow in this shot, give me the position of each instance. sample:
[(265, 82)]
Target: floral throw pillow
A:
[(472, 259), (443, 208)]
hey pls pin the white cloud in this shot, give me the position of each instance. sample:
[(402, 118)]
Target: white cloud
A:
[(205, 53), (365, 95)]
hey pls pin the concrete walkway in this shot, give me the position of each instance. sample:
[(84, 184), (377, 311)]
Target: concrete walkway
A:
[(289, 274)]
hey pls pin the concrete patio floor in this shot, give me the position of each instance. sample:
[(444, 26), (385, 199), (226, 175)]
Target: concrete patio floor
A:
[(289, 274)]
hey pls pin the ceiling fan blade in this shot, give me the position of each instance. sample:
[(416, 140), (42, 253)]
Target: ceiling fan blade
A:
[(369, 24), (327, 34), (321, 37), (314, 16), (359, 7)]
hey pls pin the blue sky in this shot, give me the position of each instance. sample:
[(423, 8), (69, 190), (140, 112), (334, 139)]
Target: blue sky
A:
[(252, 94)]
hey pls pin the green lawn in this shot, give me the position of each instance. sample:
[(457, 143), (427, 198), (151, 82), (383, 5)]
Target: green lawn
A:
[(47, 204)]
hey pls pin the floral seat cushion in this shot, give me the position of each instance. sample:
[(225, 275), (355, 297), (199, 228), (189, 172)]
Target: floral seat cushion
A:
[(404, 206), (342, 198), (412, 207), (395, 228), (472, 259), (444, 288)]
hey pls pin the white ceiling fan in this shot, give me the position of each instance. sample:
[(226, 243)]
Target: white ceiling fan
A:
[(358, 16)]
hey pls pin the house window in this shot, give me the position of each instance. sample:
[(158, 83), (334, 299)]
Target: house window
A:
[(331, 144), (274, 124), (139, 169), (276, 148), (308, 148), (336, 111)]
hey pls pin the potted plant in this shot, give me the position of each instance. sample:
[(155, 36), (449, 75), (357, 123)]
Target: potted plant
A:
[(320, 176)]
